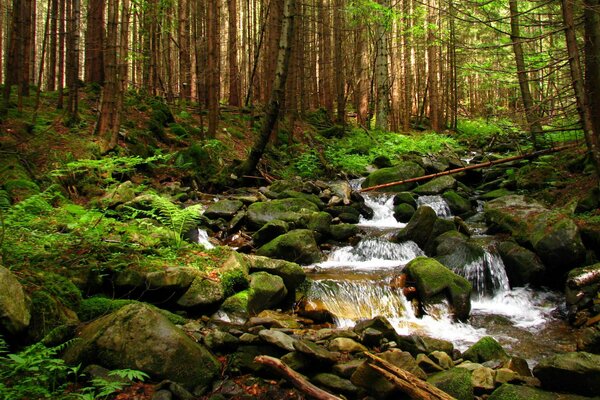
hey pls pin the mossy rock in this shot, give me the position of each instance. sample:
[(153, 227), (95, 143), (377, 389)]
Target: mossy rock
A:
[(99, 306), (405, 198), (522, 265), (343, 232), (284, 209), (298, 246), (419, 227), (48, 313), (402, 171), (294, 194), (270, 231), (519, 392), (436, 186), (235, 308), (292, 274), (457, 203), (455, 381), (15, 312), (223, 209), (496, 194), (403, 212), (266, 291), (575, 372), (433, 279), (486, 349)]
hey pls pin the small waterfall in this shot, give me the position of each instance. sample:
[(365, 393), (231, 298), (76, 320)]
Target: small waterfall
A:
[(383, 209), (203, 239), (438, 204), (350, 301), (487, 274)]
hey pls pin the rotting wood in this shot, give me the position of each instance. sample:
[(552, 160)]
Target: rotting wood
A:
[(295, 378), (470, 167), (407, 382)]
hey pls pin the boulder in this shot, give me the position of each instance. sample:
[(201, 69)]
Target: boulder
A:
[(522, 265), (485, 349), (225, 209), (278, 339), (292, 274), (14, 304), (416, 344), (270, 231), (297, 246), (402, 171), (346, 345), (342, 190), (552, 235), (435, 282), (173, 278), (455, 381), (405, 198), (575, 372), (343, 232), (315, 351), (334, 383), (436, 186), (293, 194), (234, 309), (266, 291), (203, 293), (403, 212), (518, 392), (419, 227), (284, 209), (457, 203), (138, 337)]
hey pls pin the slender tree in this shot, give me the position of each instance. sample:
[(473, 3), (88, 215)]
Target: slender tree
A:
[(72, 62), (213, 72), (232, 55), (94, 43), (382, 76), (185, 60), (592, 72)]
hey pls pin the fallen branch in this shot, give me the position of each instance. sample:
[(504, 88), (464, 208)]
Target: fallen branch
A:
[(407, 382), (470, 167), (295, 378)]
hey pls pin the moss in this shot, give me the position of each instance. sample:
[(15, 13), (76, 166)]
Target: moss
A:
[(97, 306), (62, 288), (486, 349), (399, 172), (519, 392), (456, 382), (233, 281)]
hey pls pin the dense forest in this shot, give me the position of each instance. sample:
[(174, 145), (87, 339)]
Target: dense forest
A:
[(328, 199)]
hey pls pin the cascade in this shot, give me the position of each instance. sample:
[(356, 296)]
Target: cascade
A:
[(487, 274), (438, 204), (383, 209), (203, 239)]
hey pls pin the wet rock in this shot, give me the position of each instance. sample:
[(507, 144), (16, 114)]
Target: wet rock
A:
[(292, 274), (457, 203), (522, 265), (219, 340), (442, 359), (297, 361), (284, 209), (589, 340), (265, 291), (270, 231), (343, 232), (519, 365), (277, 338), (138, 337), (485, 349), (315, 351), (419, 227), (405, 198), (346, 214), (203, 293), (402, 171), (176, 278), (346, 369), (505, 375), (14, 304), (576, 372), (433, 279), (436, 186), (346, 345), (234, 309), (368, 378), (518, 392), (293, 194), (225, 209), (297, 246), (342, 190), (404, 212), (242, 360), (456, 382), (275, 319), (335, 383), (416, 344), (373, 330), (482, 379), (427, 364)]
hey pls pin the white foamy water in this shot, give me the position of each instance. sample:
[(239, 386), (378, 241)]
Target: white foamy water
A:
[(438, 204), (372, 254), (487, 274), (203, 239), (383, 209)]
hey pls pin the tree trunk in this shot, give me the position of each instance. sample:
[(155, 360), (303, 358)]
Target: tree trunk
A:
[(53, 48), (213, 67), (232, 50), (185, 61), (432, 68), (531, 113), (340, 79), (381, 71), (592, 69), (361, 90), (61, 52), (94, 43), (25, 47), (407, 67), (277, 93), (73, 61)]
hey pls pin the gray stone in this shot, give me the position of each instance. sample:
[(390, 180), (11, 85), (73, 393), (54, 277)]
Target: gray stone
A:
[(346, 345), (14, 304), (343, 232), (442, 359), (277, 338), (297, 361), (297, 246), (346, 369), (284, 209), (335, 383), (436, 186), (482, 379), (204, 292), (522, 265), (419, 227), (219, 340), (292, 274), (485, 349), (225, 209), (427, 364), (162, 395), (576, 372), (270, 231), (402, 171), (266, 291), (313, 350)]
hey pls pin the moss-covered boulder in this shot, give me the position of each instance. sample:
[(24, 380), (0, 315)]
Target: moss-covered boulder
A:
[(298, 246), (202, 294), (455, 381), (16, 180), (235, 308), (520, 392), (522, 265), (270, 231), (457, 203), (436, 186), (343, 232), (402, 171), (435, 283), (225, 209), (552, 235), (266, 291), (485, 349), (292, 274), (14, 304), (419, 228), (405, 198), (294, 194), (138, 337), (404, 212), (575, 372), (284, 209)]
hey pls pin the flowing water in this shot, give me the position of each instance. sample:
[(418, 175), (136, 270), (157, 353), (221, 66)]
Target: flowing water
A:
[(360, 282)]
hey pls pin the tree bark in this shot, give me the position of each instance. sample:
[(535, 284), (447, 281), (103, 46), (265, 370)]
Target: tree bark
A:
[(361, 90), (61, 52), (73, 60), (277, 93), (185, 61), (232, 50), (53, 48), (381, 71), (531, 113), (213, 67), (94, 43), (592, 70), (340, 79), (432, 68)]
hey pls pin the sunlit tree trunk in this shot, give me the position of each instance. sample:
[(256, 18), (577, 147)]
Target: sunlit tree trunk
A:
[(340, 77), (53, 47), (72, 66), (185, 61)]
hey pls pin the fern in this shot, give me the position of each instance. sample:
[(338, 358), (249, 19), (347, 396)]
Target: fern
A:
[(177, 220)]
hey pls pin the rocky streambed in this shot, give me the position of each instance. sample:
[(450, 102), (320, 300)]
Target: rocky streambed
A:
[(281, 294)]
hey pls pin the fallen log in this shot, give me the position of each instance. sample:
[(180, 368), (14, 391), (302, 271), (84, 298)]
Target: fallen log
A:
[(407, 382), (299, 381), (470, 167)]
